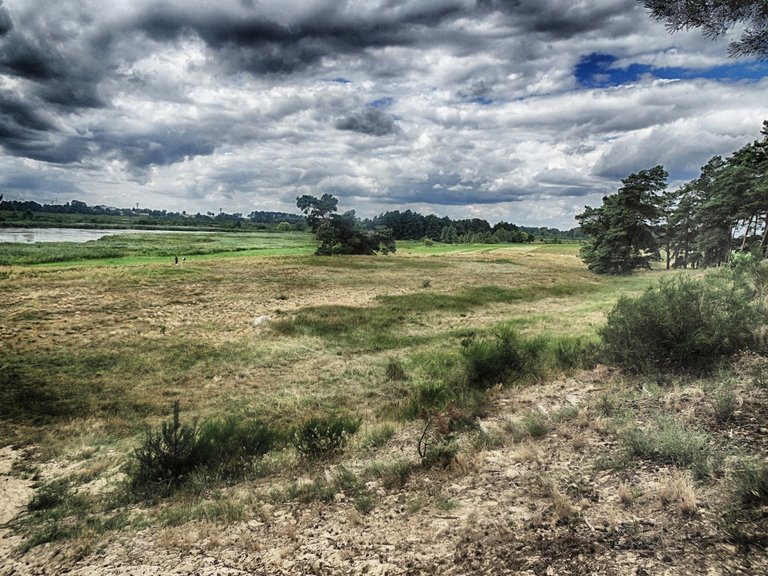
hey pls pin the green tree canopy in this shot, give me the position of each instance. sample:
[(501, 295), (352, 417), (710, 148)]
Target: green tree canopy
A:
[(621, 231), (342, 233), (316, 209)]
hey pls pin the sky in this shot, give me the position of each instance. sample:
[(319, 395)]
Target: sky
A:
[(515, 110)]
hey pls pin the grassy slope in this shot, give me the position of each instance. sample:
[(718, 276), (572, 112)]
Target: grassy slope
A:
[(96, 353), (113, 341)]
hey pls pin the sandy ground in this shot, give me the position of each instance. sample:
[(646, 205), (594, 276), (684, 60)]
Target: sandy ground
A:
[(536, 507), (15, 492)]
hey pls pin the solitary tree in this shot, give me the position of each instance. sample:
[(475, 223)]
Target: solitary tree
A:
[(342, 233), (621, 231), (316, 209), (715, 17)]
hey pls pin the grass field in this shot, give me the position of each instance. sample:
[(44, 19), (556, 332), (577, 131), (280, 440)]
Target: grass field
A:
[(114, 341), (97, 349)]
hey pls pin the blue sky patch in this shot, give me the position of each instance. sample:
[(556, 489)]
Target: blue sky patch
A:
[(599, 71), (381, 102), (482, 101)]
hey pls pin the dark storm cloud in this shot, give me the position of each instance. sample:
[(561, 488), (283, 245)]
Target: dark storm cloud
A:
[(561, 19), (258, 44), (6, 24), (372, 121), (27, 59), (159, 148), (452, 190)]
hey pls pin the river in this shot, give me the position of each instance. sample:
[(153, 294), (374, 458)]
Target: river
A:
[(35, 235)]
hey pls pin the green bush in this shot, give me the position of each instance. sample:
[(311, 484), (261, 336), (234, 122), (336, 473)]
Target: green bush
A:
[(49, 496), (169, 456), (504, 358), (680, 325), (229, 446), (321, 437), (165, 458)]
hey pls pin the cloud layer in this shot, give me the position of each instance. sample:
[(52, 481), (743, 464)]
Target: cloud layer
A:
[(519, 110)]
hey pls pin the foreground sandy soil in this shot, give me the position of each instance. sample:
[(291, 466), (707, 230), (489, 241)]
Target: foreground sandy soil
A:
[(529, 507)]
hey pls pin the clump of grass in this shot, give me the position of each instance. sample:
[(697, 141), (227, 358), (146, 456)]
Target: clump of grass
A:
[(437, 444), (607, 405), (502, 359), (570, 352), (326, 487), (229, 446), (322, 437), (750, 484), (566, 413), (530, 425), (391, 474), (678, 490), (724, 404), (668, 441), (394, 372), (378, 435), (428, 397), (564, 509), (50, 495), (626, 495)]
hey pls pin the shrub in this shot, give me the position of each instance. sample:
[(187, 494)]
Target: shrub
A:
[(229, 446), (681, 325), (320, 437), (502, 359), (169, 456), (166, 457)]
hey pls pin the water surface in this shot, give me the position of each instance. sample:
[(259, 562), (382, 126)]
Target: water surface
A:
[(35, 235)]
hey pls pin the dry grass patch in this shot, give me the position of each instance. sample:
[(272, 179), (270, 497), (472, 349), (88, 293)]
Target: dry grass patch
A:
[(677, 491)]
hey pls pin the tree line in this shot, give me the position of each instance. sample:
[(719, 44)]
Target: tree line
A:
[(31, 210), (702, 223), (409, 225)]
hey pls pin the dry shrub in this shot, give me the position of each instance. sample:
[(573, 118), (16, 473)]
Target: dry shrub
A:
[(626, 495), (678, 490), (527, 452)]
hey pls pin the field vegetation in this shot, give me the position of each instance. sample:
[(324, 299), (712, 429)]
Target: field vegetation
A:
[(255, 386)]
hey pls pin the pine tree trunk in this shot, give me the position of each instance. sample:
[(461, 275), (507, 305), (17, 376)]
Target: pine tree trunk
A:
[(764, 238)]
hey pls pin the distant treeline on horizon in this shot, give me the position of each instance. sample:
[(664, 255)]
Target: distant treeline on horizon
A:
[(405, 225)]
